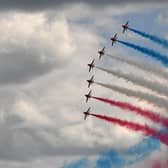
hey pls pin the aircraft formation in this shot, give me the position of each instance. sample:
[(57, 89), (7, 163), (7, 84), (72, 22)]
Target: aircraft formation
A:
[(92, 65)]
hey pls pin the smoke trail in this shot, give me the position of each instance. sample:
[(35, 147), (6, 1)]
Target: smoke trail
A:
[(146, 113), (82, 163), (151, 37), (154, 54), (114, 158), (145, 67), (148, 131), (158, 164), (130, 156), (159, 101), (157, 87)]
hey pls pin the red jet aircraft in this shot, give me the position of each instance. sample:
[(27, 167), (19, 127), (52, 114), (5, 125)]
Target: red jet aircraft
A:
[(91, 65), (114, 39), (88, 96), (86, 113), (101, 52), (125, 27), (90, 81)]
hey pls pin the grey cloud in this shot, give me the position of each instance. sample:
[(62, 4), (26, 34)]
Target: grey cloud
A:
[(19, 143), (32, 5), (20, 64), (24, 144)]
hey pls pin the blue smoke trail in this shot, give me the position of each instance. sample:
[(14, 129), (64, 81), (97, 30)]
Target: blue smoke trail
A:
[(152, 53), (117, 159), (82, 163), (132, 155), (153, 38)]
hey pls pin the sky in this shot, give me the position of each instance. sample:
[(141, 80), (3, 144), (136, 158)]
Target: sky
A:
[(45, 47)]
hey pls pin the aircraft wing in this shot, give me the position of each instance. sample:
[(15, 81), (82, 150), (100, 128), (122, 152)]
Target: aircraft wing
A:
[(92, 78), (93, 61), (115, 36), (90, 93)]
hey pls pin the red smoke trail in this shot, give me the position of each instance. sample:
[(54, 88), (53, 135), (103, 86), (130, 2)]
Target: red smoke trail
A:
[(136, 127), (146, 113), (165, 164), (158, 164)]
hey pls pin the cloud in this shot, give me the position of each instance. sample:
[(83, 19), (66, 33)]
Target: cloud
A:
[(30, 47), (29, 112), (120, 159), (162, 18), (42, 76), (30, 116), (44, 4)]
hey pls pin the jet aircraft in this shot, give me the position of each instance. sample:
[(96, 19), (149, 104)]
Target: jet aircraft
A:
[(91, 65), (90, 81), (88, 96), (114, 39), (86, 113), (125, 27), (101, 52)]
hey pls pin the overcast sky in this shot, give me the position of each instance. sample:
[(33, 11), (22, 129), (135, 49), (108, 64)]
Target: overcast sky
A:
[(44, 50)]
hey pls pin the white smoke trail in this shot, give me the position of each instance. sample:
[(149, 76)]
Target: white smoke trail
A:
[(154, 86), (158, 101), (160, 72)]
